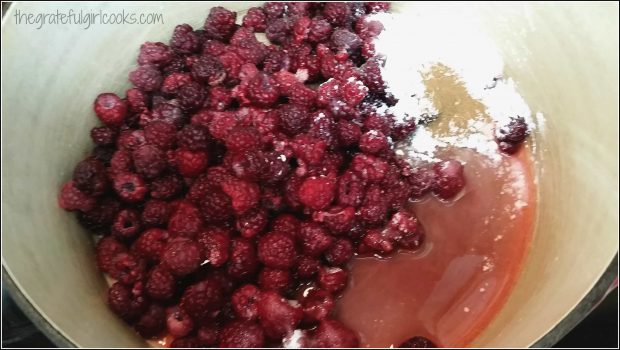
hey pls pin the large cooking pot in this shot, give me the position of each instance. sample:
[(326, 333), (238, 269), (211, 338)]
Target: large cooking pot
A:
[(563, 57)]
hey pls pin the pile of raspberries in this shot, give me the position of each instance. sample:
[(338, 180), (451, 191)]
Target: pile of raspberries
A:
[(235, 181)]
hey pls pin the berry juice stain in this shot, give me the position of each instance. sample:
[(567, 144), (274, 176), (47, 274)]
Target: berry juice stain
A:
[(450, 289)]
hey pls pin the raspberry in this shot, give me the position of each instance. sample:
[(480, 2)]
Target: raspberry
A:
[(417, 342), (152, 322), (90, 177), (317, 192), (208, 335), (307, 267), (191, 96), (291, 191), (374, 209), (146, 78), (351, 189), (344, 40), (286, 223), (216, 207), (103, 153), (215, 245), (193, 137), (160, 134), (369, 167), (332, 279), (252, 222), (130, 139), (244, 302), (510, 136), (136, 100), (371, 76), (71, 198), (127, 224), (320, 30), (277, 316), (449, 178), (309, 149), (155, 213), (336, 13), (333, 334), (244, 195), (379, 123), (301, 28), (130, 187), (317, 305), (110, 109), (243, 262), (107, 249), (368, 48), (242, 334), (185, 342), (213, 48), (178, 322), (185, 221), (184, 40), (302, 95), (149, 161), (208, 70), (202, 300), (374, 142), (349, 133), (262, 90), (173, 82), (272, 199), (221, 124), (219, 98), (277, 168), (410, 232), (294, 119), (337, 219), (340, 253), (101, 216), (278, 30), (314, 239), (242, 139), (276, 60), (156, 54), (124, 303), (181, 256), (249, 165), (127, 268), (220, 23), (190, 163), (103, 135), (277, 250), (324, 127), (298, 9), (274, 10), (166, 187), (250, 50), (151, 244), (255, 19), (160, 284), (275, 279)]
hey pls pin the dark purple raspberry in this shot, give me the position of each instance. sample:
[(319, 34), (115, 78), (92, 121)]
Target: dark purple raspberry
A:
[(160, 134), (417, 342), (151, 244), (191, 96), (294, 119), (243, 262), (149, 161), (103, 135), (166, 187), (152, 322), (147, 78), (155, 213), (101, 216), (160, 284), (208, 70), (184, 40), (124, 303), (90, 177), (278, 30), (220, 23)]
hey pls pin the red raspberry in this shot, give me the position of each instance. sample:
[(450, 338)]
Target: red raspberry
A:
[(368, 28), (374, 209), (302, 95), (276, 60), (294, 119), (168, 112), (160, 284), (184, 40), (410, 232), (175, 66), (317, 305), (351, 189), (110, 109), (208, 70), (213, 48), (103, 153), (309, 149), (244, 195), (262, 90), (71, 198), (130, 187), (172, 83), (107, 249), (216, 207), (200, 188), (323, 127), (314, 239), (337, 219), (298, 9), (243, 262), (203, 300), (337, 13), (307, 267), (301, 28), (127, 268), (353, 92), (255, 19), (155, 53), (379, 123), (278, 30), (146, 78), (185, 342), (178, 322), (215, 245), (422, 181), (277, 250), (193, 137), (403, 129), (181, 256), (274, 9), (252, 222), (185, 221), (291, 191), (320, 30), (136, 100), (250, 50), (101, 216), (103, 135), (190, 163), (220, 23), (286, 223), (374, 142), (232, 62), (90, 177), (219, 98), (149, 161), (332, 279), (275, 279), (244, 302), (368, 48), (349, 133), (340, 253), (160, 134), (127, 224), (371, 76), (155, 213), (417, 342), (449, 178), (150, 244), (124, 303), (208, 335), (369, 167), (243, 139), (221, 124), (317, 192), (152, 322), (166, 187), (241, 35), (333, 334), (242, 334), (249, 165), (191, 96), (130, 139), (344, 40), (277, 316), (272, 199)]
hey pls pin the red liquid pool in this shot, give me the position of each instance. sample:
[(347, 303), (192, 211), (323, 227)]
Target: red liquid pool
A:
[(451, 289)]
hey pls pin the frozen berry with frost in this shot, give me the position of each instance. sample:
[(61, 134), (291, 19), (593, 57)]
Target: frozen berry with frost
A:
[(278, 30), (151, 244), (374, 142), (149, 161), (255, 19), (137, 100), (274, 9), (160, 134), (110, 109), (314, 239), (208, 70), (220, 23), (449, 178), (184, 40), (317, 192), (71, 198), (160, 284), (215, 244), (216, 207), (155, 53), (191, 96), (336, 13), (320, 30), (277, 249), (262, 90), (146, 78), (294, 119)]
